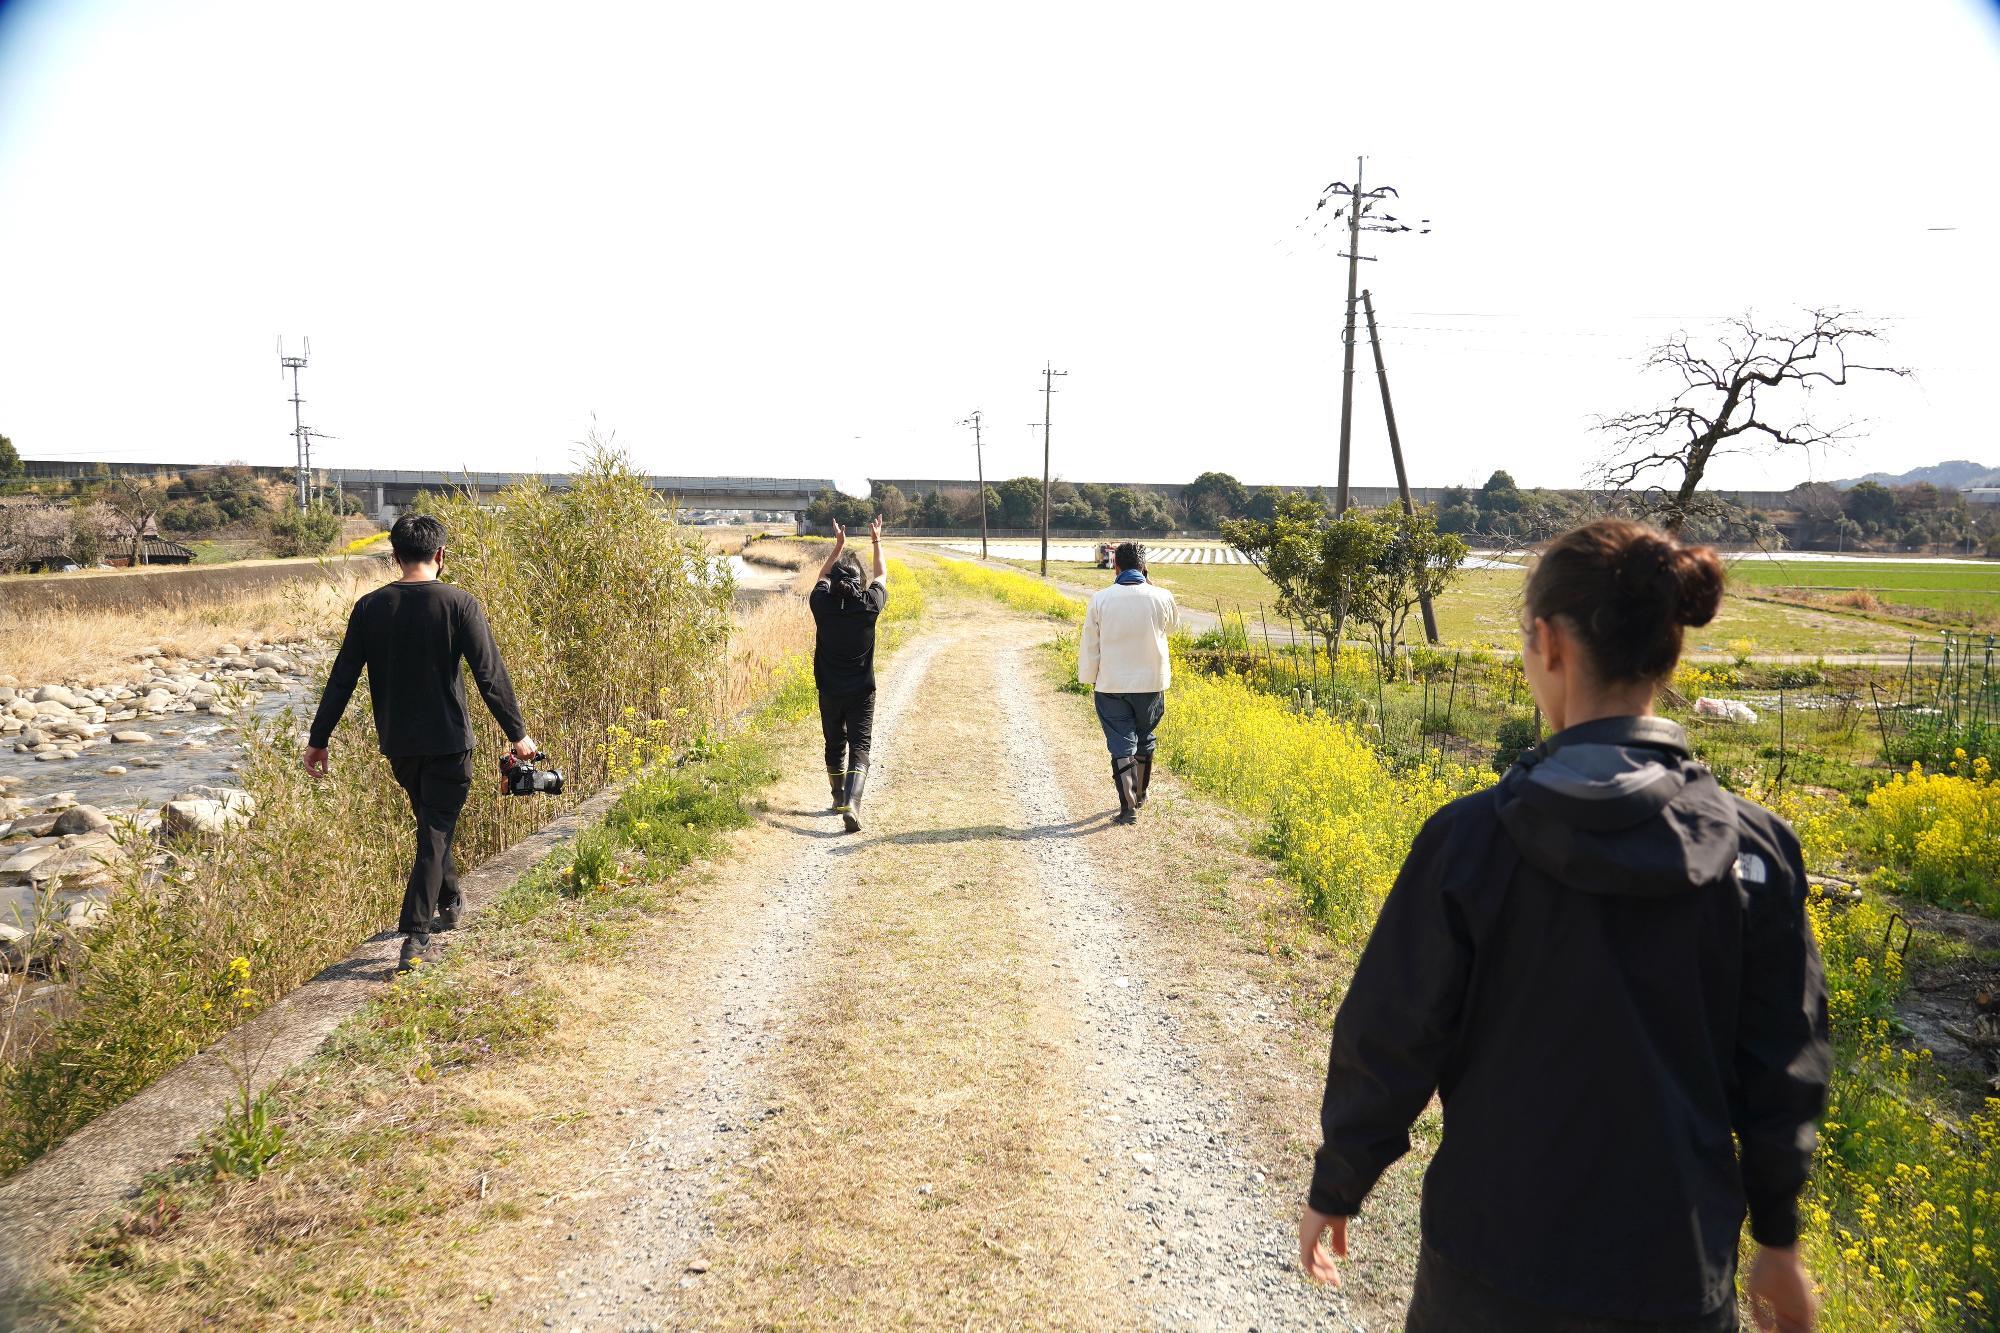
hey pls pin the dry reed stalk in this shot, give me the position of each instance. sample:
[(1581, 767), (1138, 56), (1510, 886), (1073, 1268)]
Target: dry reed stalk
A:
[(101, 647)]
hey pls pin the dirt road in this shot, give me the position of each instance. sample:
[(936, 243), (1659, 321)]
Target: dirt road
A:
[(991, 1062), (965, 1068)]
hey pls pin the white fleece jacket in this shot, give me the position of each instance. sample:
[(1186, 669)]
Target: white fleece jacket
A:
[(1123, 649)]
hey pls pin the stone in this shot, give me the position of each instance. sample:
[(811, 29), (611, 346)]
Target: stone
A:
[(81, 819), (32, 736), (116, 771), (57, 694), (233, 797), (22, 708), (229, 650), (79, 866), (17, 869), (201, 818), (132, 737), (8, 694), (33, 826), (271, 662)]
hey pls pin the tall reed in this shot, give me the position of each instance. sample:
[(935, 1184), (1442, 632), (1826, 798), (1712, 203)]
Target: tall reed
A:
[(605, 609)]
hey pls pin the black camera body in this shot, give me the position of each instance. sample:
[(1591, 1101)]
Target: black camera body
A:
[(520, 777)]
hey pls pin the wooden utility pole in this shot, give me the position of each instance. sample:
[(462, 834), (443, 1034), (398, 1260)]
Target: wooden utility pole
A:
[(1360, 209), (1049, 376), (1396, 449), (1347, 341), (979, 452)]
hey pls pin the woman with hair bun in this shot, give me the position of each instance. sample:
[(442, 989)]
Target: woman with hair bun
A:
[(1602, 967)]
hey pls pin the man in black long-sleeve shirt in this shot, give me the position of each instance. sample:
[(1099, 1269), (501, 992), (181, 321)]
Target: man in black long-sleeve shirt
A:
[(411, 635)]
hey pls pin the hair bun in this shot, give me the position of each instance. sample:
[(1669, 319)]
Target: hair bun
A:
[(1697, 571)]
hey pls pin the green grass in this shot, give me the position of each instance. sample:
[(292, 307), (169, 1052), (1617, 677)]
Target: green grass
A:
[(1967, 590), (1482, 607)]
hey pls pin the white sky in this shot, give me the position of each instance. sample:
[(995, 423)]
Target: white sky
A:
[(805, 239)]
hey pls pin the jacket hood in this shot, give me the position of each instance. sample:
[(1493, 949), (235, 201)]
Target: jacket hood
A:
[(1618, 806)]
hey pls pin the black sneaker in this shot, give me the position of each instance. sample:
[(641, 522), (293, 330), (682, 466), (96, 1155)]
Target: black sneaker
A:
[(416, 952)]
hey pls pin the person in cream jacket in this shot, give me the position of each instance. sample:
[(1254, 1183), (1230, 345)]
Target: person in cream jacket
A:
[(1123, 656)]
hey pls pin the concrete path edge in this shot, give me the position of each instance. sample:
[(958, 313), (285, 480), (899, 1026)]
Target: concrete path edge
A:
[(106, 1162)]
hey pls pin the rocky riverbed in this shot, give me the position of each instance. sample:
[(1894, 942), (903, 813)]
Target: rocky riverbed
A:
[(88, 773)]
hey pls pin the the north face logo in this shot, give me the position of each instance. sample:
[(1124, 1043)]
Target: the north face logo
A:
[(1750, 868)]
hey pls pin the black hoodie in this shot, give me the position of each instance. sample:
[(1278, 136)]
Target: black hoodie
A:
[(1602, 965)]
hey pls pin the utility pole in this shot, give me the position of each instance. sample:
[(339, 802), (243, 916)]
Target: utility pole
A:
[(1396, 449), (979, 452), (300, 442), (1049, 376), (1360, 211)]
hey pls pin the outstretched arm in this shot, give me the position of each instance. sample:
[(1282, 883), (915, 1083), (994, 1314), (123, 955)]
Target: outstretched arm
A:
[(877, 574), (839, 545)]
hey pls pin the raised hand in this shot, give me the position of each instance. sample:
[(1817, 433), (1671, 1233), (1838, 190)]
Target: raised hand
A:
[(875, 529), (839, 534)]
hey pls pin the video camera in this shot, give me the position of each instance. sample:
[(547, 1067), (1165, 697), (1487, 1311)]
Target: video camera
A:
[(520, 777)]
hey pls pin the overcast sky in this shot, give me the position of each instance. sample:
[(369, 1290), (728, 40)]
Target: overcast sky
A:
[(803, 240)]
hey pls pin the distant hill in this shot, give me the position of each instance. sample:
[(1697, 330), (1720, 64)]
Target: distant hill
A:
[(1953, 476)]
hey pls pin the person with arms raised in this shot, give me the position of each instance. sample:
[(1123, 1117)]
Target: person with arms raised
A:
[(845, 605), (411, 635), (1603, 967)]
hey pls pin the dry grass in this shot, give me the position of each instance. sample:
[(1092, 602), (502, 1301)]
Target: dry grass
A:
[(771, 638), (101, 646)]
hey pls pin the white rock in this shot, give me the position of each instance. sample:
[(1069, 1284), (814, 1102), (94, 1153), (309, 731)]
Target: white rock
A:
[(56, 694), (116, 771), (201, 818), (132, 737)]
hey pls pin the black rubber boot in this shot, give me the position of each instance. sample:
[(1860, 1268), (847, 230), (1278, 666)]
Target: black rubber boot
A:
[(837, 779), (447, 916), (857, 783), (1122, 773), (1142, 779)]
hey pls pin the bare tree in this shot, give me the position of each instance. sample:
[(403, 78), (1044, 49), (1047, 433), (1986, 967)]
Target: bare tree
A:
[(1745, 390), (136, 501)]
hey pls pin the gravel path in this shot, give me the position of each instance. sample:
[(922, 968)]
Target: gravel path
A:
[(1222, 1247), (638, 1252)]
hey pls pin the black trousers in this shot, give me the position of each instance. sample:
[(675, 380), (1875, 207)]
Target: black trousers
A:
[(848, 723), (437, 785), (1449, 1300)]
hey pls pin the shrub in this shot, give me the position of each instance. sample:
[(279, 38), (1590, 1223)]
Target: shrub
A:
[(296, 532), (1513, 736), (1940, 832)]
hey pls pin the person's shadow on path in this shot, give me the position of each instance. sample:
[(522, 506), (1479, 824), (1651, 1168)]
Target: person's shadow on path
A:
[(1075, 828)]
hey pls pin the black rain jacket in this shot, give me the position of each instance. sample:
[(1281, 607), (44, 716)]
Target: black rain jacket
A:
[(1603, 967)]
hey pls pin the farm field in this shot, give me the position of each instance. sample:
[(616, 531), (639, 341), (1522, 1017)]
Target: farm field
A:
[(1481, 609), (1968, 589)]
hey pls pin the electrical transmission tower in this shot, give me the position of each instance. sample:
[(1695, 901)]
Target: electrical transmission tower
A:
[(300, 440), (1049, 377), (979, 452), (1363, 212)]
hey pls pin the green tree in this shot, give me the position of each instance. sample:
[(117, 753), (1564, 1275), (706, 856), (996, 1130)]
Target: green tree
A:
[(10, 460), (1500, 495), (1021, 502), (934, 510), (889, 503), (1872, 505), (1370, 566), (1214, 496), (1264, 502)]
